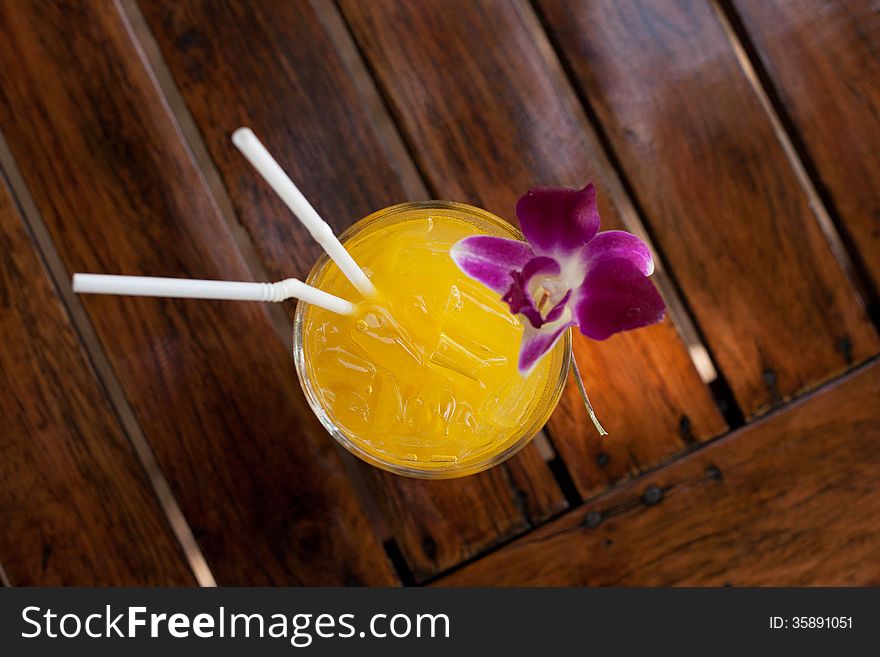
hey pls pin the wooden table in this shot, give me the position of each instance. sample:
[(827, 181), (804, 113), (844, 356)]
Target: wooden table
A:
[(150, 441)]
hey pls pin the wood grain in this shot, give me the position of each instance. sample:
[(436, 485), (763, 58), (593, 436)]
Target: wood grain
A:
[(76, 506), (300, 99), (258, 480), (791, 500), (718, 193), (487, 117), (822, 59)]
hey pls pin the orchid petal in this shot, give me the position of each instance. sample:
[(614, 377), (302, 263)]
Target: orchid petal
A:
[(518, 295), (619, 244), (491, 259), (536, 342), (557, 310), (598, 281), (616, 296), (520, 301), (558, 222), (540, 266)]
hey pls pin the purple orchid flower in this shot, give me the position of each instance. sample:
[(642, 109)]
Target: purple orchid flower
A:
[(567, 273)]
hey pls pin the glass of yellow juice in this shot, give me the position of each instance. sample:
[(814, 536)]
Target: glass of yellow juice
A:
[(422, 379)]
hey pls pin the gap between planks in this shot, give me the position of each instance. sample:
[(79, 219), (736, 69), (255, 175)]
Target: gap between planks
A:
[(190, 138), (631, 213), (192, 141), (389, 137), (399, 153), (698, 353), (377, 109), (768, 97), (101, 368), (413, 180), (599, 146), (643, 476)]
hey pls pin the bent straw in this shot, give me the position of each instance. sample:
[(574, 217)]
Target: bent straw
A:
[(187, 288), (266, 165)]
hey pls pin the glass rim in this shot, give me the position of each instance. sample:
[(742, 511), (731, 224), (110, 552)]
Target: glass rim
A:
[(528, 432)]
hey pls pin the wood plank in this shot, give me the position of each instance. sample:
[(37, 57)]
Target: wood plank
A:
[(312, 117), (487, 117), (720, 198), (76, 506), (791, 500), (822, 59), (258, 480)]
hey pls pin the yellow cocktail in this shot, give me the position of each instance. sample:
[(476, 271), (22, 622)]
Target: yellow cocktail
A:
[(422, 379)]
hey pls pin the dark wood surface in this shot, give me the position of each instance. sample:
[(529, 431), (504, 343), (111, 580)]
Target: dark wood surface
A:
[(213, 388), (316, 123), (76, 506), (822, 59), (771, 504), (118, 115), (533, 138), (717, 192)]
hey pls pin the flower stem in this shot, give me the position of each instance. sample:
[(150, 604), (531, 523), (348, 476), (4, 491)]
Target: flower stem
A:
[(580, 385)]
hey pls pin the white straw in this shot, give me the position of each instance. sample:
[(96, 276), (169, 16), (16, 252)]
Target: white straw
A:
[(268, 167), (187, 288)]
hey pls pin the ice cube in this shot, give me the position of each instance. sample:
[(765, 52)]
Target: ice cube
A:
[(510, 406), (387, 409), (455, 360), (468, 300), (385, 341), (462, 350), (472, 298), (445, 406), (352, 410), (421, 251), (325, 334), (420, 415), (419, 321), (359, 372), (464, 418)]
